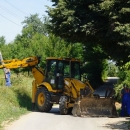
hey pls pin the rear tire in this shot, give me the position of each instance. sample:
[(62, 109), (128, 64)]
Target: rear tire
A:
[(62, 105), (43, 99)]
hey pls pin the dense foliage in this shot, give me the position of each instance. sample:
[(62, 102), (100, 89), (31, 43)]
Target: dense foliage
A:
[(124, 78), (100, 22), (95, 64)]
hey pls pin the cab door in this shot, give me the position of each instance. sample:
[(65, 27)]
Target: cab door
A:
[(51, 73), (60, 74)]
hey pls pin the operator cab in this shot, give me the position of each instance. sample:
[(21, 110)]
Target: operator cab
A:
[(60, 68)]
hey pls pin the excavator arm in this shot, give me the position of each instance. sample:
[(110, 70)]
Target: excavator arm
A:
[(32, 62), (37, 72), (16, 63)]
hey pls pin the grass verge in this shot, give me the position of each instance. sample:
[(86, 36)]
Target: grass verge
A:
[(15, 100)]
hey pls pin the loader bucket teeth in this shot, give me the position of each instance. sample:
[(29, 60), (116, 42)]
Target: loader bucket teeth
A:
[(90, 106)]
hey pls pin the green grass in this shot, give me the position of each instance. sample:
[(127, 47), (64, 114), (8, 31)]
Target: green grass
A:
[(15, 100)]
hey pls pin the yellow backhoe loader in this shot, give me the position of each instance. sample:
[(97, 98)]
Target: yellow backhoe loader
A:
[(60, 83)]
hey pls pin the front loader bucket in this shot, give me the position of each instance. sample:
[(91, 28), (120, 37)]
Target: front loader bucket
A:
[(90, 106)]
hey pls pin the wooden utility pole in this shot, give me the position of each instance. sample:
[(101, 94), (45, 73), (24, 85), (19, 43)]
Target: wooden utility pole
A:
[(1, 61), (1, 58)]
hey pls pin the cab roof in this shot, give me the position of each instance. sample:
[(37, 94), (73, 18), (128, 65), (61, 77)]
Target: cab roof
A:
[(61, 58)]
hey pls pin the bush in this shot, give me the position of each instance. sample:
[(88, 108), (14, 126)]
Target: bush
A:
[(124, 78)]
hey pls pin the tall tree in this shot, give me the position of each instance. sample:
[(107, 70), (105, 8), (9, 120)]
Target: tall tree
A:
[(36, 24), (94, 21), (59, 48), (95, 64), (32, 26), (37, 41)]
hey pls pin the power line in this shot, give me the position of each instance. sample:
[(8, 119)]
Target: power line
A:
[(10, 12), (11, 21), (16, 8)]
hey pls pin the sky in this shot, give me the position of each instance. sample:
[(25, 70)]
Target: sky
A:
[(13, 13)]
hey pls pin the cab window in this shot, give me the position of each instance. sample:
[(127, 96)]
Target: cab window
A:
[(75, 70)]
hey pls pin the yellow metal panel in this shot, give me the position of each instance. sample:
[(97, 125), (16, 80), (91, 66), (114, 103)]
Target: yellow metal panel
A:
[(38, 75), (34, 89), (49, 87)]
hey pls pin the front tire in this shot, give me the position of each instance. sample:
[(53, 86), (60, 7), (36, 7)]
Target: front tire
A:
[(43, 100), (62, 105)]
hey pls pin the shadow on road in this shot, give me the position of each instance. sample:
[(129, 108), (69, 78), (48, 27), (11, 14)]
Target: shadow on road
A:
[(54, 110), (120, 125)]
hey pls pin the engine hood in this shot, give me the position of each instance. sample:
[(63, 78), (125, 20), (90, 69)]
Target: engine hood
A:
[(74, 82)]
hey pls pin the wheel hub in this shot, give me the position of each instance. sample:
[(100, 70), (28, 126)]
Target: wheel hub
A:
[(41, 99)]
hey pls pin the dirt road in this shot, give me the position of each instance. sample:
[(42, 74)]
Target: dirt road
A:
[(55, 121)]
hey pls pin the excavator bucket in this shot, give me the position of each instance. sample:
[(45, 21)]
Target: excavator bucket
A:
[(91, 106)]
